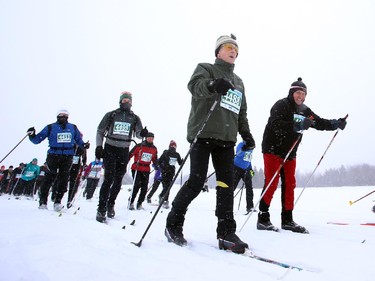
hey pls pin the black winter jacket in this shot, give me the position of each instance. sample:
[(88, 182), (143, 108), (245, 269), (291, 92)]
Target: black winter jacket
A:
[(279, 136)]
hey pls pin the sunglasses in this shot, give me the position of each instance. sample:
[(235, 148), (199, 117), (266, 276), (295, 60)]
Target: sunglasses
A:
[(230, 47)]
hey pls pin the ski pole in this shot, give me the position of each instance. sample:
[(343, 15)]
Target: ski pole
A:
[(239, 201), (13, 148), (139, 244), (272, 179), (321, 158), (352, 202)]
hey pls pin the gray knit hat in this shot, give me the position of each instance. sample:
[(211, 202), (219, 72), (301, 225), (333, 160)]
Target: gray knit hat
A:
[(224, 39)]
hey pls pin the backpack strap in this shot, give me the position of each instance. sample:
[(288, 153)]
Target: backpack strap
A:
[(110, 120)]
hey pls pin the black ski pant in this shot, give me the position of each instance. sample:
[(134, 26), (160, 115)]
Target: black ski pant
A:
[(248, 182), (90, 187), (140, 183), (167, 177), (73, 181), (58, 167), (115, 161), (155, 186), (222, 154)]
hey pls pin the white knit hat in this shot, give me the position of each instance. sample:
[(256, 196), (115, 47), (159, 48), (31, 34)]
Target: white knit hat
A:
[(224, 39), (62, 111)]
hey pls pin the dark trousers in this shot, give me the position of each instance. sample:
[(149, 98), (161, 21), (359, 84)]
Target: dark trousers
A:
[(115, 160), (140, 183), (58, 168), (222, 158), (167, 178), (90, 187), (155, 186), (24, 187), (73, 181), (247, 179)]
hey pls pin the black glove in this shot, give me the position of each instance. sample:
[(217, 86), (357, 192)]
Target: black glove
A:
[(307, 123), (144, 132), (99, 152), (86, 145), (304, 124), (249, 142), (221, 86), (341, 123), (31, 132)]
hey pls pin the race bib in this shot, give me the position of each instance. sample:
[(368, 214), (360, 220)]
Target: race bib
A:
[(232, 101), (248, 155), (172, 161), (146, 157), (29, 174), (121, 128), (298, 118), (75, 159), (64, 137)]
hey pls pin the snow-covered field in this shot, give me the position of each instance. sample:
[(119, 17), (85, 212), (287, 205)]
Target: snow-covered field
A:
[(40, 245)]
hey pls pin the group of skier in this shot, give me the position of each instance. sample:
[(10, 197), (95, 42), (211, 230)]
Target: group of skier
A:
[(218, 114)]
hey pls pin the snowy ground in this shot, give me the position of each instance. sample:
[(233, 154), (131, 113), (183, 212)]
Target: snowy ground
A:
[(39, 245)]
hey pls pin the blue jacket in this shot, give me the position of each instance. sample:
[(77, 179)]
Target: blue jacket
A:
[(242, 158), (61, 141)]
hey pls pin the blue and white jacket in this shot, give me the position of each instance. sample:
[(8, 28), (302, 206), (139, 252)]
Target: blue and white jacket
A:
[(242, 159)]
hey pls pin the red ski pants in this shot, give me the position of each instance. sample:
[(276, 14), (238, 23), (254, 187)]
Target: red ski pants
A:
[(288, 180)]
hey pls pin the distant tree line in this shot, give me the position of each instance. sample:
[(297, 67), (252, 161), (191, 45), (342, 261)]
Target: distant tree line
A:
[(359, 175)]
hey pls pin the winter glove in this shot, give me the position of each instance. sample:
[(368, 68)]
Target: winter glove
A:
[(144, 132), (31, 132), (339, 123), (302, 123), (306, 123), (220, 86), (251, 171), (86, 145), (249, 142), (99, 152)]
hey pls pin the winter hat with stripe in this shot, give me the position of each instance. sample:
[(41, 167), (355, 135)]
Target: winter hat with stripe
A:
[(172, 143), (126, 95), (224, 39), (297, 85)]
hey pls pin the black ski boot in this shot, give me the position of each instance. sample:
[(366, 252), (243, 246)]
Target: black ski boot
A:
[(174, 228), (232, 243), (264, 222), (111, 211), (287, 223), (100, 215), (174, 234)]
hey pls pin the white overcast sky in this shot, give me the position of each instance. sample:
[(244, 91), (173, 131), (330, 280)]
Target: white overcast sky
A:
[(80, 55)]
